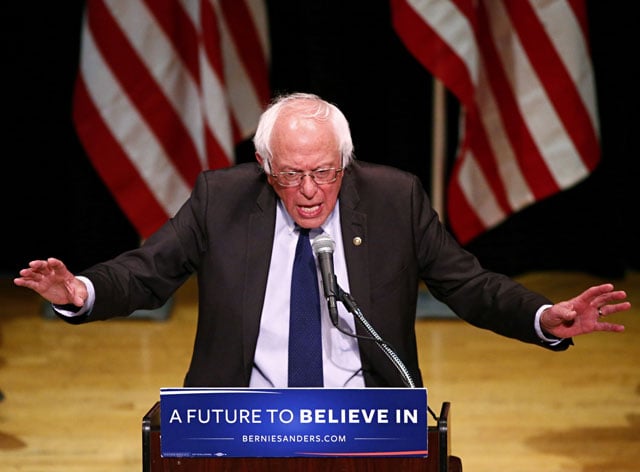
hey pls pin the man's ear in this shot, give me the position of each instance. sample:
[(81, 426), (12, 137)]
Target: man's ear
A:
[(264, 163)]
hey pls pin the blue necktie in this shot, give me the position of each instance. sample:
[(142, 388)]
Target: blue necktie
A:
[(305, 337)]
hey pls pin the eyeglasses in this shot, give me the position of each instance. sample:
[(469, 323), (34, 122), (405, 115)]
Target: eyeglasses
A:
[(326, 175)]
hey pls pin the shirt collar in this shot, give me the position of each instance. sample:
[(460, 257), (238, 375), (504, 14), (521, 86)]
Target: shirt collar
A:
[(329, 226)]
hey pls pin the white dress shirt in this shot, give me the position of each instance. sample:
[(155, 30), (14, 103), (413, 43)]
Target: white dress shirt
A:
[(340, 355)]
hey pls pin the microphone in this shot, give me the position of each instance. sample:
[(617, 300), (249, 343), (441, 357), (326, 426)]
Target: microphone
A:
[(323, 247)]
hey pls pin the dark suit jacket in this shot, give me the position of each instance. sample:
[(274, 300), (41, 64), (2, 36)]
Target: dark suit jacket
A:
[(224, 234)]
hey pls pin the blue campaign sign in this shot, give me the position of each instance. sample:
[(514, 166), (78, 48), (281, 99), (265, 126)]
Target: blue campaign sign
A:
[(293, 422)]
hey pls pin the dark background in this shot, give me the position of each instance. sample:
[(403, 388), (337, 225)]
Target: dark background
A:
[(347, 52)]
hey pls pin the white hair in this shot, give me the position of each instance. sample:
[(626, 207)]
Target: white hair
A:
[(309, 106)]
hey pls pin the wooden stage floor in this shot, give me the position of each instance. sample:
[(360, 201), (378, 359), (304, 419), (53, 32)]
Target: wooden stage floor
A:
[(75, 395)]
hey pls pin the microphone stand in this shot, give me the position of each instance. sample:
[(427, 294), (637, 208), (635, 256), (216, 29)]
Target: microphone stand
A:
[(351, 305)]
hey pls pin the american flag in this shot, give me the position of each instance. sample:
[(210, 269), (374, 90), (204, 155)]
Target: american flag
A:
[(522, 73), (165, 89)]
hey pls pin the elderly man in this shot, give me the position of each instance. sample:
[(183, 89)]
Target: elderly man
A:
[(239, 233)]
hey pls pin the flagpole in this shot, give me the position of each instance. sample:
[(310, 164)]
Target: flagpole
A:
[(428, 306), (438, 147)]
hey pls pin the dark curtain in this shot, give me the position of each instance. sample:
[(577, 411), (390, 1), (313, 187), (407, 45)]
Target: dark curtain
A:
[(348, 53)]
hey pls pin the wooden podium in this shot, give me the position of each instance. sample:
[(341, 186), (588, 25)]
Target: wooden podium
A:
[(439, 459)]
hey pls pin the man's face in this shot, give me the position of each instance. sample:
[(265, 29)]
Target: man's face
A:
[(305, 145)]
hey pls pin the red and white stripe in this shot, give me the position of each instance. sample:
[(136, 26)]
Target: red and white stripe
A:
[(523, 75), (167, 88)]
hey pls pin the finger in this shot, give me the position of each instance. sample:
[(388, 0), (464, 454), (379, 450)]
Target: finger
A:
[(560, 313), (607, 310), (614, 296), (20, 282), (26, 283), (567, 315), (614, 327), (604, 303), (30, 274), (56, 264), (598, 290), (37, 265), (565, 309)]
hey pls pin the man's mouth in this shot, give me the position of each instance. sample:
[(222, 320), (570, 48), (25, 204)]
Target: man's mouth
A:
[(309, 210)]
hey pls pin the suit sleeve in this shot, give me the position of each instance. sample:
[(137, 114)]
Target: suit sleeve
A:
[(146, 277), (483, 298)]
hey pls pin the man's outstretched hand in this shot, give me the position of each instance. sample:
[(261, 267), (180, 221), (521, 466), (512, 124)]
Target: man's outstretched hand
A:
[(585, 313), (53, 281)]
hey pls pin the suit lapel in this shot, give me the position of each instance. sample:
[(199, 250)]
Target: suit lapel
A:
[(354, 237), (260, 232)]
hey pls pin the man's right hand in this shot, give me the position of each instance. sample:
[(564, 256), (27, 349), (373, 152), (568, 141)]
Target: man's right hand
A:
[(53, 281)]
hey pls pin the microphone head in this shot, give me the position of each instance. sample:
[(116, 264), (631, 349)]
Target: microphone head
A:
[(323, 244)]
